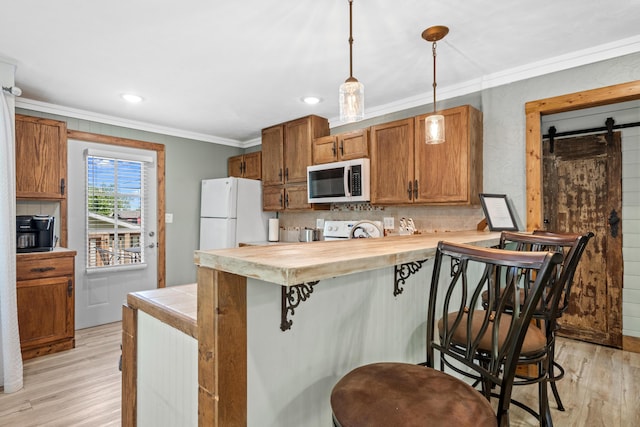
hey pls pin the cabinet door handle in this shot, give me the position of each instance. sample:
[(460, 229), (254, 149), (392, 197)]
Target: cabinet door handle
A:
[(280, 175), (286, 201), (69, 288), (333, 148), (286, 174), (415, 190), (62, 186), (42, 269), (342, 148), (410, 190)]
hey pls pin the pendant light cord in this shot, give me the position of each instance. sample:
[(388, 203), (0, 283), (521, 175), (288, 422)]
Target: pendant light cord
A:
[(433, 49), (350, 39)]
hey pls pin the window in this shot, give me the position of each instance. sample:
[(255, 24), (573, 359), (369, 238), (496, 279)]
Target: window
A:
[(115, 207)]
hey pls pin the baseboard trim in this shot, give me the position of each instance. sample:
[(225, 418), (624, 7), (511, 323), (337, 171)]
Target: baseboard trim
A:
[(631, 344)]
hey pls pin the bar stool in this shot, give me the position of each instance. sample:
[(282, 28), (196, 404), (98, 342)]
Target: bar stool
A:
[(554, 302), (403, 394)]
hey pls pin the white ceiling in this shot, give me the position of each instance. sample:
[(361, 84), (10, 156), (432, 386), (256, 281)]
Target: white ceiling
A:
[(221, 71)]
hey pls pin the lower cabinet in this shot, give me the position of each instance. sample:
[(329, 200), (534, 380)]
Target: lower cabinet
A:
[(45, 288)]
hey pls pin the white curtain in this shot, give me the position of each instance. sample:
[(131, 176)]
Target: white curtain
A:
[(10, 345)]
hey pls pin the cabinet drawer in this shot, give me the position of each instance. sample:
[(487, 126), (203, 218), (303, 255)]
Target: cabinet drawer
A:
[(45, 267)]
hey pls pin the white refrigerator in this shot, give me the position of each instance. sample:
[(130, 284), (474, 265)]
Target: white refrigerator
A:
[(231, 212)]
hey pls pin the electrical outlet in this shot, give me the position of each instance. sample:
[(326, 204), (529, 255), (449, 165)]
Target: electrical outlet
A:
[(168, 218), (388, 223), (320, 223)]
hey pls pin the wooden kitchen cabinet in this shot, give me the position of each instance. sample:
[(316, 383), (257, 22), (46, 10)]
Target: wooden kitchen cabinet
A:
[(286, 153), (405, 170), (343, 146), (392, 162), (45, 288), (298, 138), (41, 158), (273, 155), (247, 165), (451, 173), (291, 198)]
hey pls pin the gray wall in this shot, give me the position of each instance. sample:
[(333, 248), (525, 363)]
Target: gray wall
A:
[(187, 162)]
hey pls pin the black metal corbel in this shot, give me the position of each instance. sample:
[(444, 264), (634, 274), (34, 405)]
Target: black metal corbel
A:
[(402, 273), (292, 296)]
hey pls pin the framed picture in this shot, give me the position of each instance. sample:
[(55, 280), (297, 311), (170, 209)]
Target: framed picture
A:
[(498, 212)]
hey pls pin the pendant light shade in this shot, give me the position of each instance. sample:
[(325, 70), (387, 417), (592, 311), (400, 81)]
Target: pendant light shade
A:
[(351, 100), (434, 124), (351, 91), (434, 129)]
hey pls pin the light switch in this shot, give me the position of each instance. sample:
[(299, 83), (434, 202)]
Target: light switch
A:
[(168, 218)]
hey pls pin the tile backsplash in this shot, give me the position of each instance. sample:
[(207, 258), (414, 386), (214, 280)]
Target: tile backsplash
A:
[(428, 219)]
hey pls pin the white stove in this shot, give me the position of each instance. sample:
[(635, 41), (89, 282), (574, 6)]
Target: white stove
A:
[(342, 230)]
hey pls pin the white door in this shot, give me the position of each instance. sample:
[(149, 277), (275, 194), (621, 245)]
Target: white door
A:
[(115, 243)]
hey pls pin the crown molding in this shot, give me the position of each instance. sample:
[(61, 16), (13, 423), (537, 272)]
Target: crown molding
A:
[(44, 107)]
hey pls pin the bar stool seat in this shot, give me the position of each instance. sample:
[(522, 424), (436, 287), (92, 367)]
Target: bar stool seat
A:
[(412, 395)]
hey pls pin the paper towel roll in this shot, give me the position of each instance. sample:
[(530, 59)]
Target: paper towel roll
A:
[(274, 229)]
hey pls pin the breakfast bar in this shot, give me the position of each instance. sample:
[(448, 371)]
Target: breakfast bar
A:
[(252, 373), (226, 358)]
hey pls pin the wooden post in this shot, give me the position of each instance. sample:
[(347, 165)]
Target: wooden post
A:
[(129, 366), (222, 349)]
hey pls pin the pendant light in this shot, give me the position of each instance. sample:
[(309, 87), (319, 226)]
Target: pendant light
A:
[(434, 124), (351, 91)]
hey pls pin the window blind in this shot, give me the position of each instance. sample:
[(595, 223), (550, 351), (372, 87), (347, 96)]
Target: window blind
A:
[(116, 207)]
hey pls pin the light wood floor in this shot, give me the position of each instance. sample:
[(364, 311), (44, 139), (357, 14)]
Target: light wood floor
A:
[(81, 387), (78, 387)]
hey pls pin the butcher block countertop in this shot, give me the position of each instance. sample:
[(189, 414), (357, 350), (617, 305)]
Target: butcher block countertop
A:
[(296, 263), (174, 305)]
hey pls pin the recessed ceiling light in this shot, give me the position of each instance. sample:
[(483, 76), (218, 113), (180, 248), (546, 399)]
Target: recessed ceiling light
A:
[(131, 98), (311, 100)]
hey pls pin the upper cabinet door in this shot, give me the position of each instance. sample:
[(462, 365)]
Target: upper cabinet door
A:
[(451, 172), (297, 152), (353, 145), (235, 166), (273, 155), (252, 166), (41, 158), (325, 150), (392, 162)]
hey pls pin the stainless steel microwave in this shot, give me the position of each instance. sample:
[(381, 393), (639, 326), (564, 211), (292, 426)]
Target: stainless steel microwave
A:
[(336, 182)]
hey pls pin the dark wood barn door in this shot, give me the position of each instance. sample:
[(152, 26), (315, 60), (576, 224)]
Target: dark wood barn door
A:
[(582, 191)]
